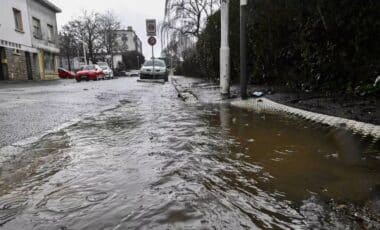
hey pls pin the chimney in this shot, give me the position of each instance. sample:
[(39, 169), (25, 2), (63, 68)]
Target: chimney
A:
[(129, 28)]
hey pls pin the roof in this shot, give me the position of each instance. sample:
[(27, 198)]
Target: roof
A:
[(49, 5)]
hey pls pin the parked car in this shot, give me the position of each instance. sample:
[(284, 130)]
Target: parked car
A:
[(159, 71), (90, 72), (106, 70), (65, 74), (133, 73)]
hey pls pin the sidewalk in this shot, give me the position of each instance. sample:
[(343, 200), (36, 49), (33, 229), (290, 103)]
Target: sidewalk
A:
[(31, 83), (359, 115)]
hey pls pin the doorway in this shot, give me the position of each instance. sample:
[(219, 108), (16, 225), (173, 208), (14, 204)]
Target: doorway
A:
[(3, 65), (29, 66)]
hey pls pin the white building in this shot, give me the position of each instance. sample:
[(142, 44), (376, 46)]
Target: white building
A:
[(44, 31), (127, 40), (21, 55)]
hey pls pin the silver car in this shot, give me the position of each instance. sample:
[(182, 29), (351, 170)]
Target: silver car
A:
[(106, 70), (154, 69)]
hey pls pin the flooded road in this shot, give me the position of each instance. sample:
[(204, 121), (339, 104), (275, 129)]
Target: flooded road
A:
[(155, 162)]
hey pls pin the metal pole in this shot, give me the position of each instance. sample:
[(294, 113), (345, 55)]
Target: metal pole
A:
[(154, 73), (243, 49), (224, 50)]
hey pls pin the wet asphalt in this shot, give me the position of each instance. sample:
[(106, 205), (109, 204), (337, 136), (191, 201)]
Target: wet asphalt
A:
[(122, 154), (29, 109)]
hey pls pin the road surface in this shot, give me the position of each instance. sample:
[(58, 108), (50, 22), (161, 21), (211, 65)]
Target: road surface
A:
[(134, 156)]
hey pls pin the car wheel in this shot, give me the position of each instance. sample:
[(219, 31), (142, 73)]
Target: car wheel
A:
[(87, 78), (78, 80)]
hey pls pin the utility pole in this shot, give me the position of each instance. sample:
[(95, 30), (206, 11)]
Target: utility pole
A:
[(224, 50), (243, 49)]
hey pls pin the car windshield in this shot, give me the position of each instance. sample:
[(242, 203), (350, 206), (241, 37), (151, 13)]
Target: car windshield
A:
[(159, 63), (88, 67), (103, 65)]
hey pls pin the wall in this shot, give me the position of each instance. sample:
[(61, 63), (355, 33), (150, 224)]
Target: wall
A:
[(46, 16), (7, 25), (16, 65)]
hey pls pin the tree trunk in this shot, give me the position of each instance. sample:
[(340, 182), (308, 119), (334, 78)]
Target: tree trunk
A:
[(68, 62)]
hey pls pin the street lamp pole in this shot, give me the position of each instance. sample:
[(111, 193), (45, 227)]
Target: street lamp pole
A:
[(224, 50), (243, 48)]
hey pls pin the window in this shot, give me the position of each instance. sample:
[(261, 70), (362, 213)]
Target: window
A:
[(50, 32), (49, 62), (37, 28), (18, 20)]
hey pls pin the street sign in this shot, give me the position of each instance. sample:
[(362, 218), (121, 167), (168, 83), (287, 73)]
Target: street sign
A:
[(151, 27), (152, 41), (243, 2)]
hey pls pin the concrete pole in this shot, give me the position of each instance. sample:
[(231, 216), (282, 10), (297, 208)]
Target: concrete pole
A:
[(224, 50), (243, 49)]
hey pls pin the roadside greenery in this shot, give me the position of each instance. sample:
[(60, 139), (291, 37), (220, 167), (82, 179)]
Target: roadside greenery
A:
[(323, 45)]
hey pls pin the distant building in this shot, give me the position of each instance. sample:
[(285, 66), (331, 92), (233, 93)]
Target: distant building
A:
[(127, 40), (28, 40)]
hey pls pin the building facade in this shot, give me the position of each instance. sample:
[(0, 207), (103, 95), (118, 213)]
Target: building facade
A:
[(22, 48), (127, 40)]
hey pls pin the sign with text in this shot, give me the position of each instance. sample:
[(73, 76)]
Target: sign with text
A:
[(151, 27)]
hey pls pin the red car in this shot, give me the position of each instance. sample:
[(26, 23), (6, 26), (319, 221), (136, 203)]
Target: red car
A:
[(65, 74), (90, 72)]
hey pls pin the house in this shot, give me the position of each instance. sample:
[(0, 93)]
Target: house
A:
[(127, 40), (28, 44), (16, 48), (44, 35)]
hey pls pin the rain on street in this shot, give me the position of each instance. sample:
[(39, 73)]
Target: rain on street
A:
[(138, 157)]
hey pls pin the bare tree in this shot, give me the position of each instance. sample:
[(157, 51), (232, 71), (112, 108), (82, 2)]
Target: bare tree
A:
[(86, 29), (184, 20), (189, 15), (68, 45), (109, 24)]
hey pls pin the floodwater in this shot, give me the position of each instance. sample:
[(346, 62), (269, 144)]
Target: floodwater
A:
[(155, 162)]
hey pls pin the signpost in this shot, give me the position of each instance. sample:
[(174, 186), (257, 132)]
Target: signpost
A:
[(151, 31), (151, 27)]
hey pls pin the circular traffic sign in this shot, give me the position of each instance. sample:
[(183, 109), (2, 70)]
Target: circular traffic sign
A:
[(152, 41)]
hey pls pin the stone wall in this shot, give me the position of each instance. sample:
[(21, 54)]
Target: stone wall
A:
[(16, 65)]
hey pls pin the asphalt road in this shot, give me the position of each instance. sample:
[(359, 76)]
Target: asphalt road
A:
[(28, 109)]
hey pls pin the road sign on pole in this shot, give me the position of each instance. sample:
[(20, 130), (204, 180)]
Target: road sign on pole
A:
[(152, 41), (151, 29)]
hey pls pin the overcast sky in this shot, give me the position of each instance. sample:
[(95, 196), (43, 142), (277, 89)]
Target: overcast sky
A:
[(130, 12)]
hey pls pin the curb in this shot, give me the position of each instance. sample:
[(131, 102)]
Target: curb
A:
[(185, 94), (269, 106)]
